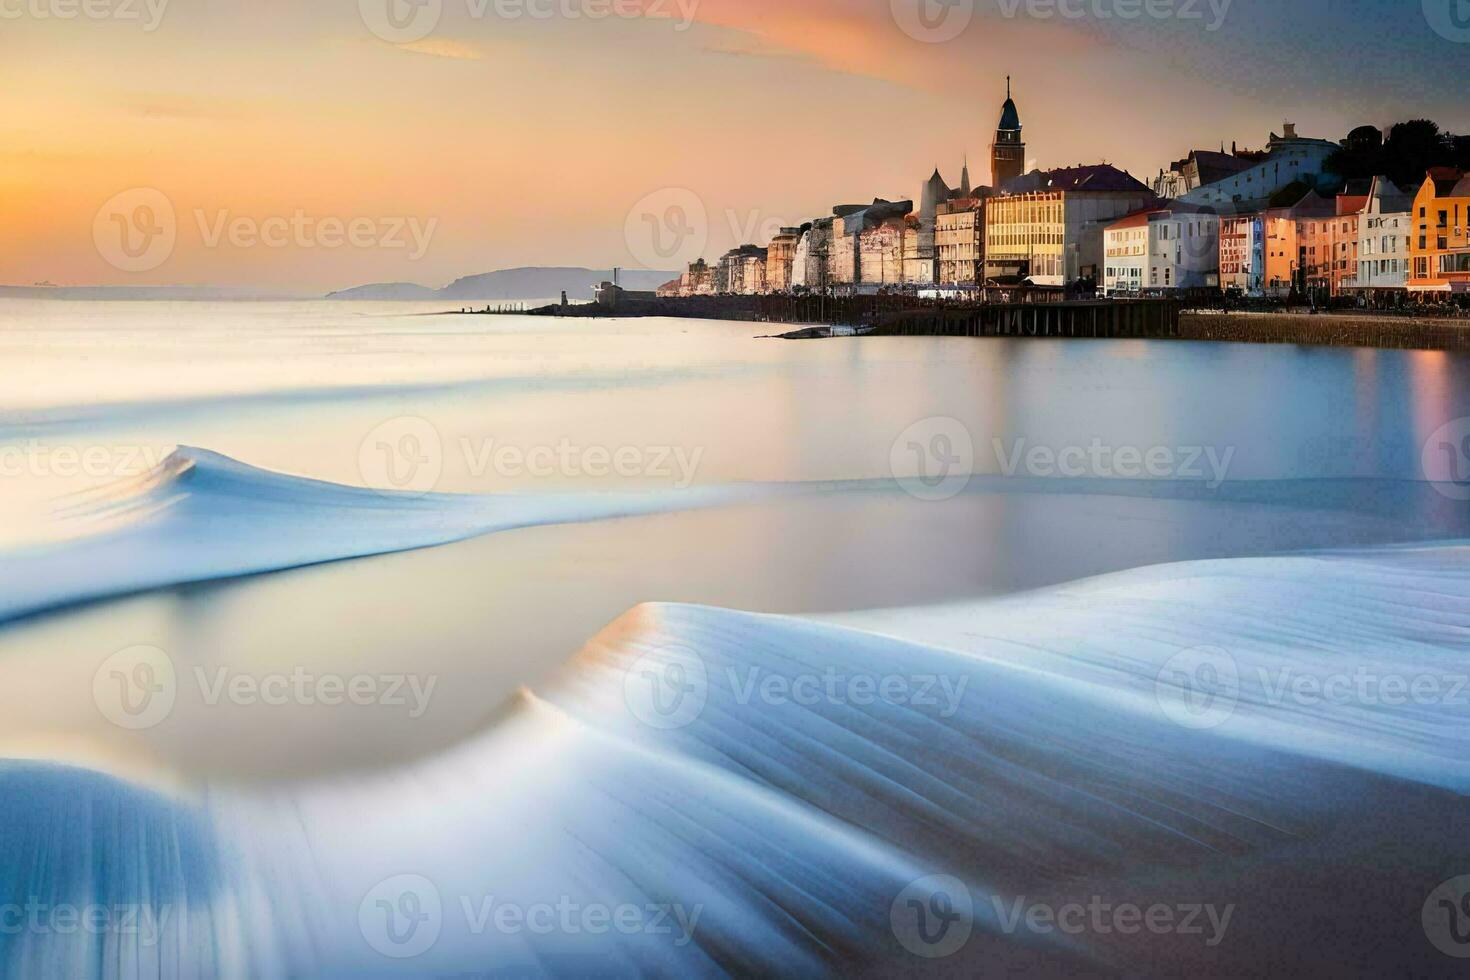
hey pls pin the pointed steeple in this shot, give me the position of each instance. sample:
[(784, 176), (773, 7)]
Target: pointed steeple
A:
[(965, 178), (1008, 152)]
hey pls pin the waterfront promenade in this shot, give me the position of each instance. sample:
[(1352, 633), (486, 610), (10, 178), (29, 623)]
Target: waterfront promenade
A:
[(903, 315)]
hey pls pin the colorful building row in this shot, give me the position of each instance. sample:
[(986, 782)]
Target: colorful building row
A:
[(1372, 238), (1268, 223)]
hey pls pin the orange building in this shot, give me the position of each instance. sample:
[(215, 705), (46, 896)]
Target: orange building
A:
[(1330, 246), (1439, 248), (1288, 239)]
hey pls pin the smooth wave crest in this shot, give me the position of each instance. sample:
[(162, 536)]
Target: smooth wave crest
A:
[(783, 784), (201, 516)]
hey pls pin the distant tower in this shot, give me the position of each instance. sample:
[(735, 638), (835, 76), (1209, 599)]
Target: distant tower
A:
[(965, 189), (1008, 152), (936, 192)]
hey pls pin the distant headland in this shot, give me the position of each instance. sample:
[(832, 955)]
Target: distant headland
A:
[(535, 282)]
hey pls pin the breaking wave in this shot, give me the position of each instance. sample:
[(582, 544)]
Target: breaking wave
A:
[(782, 793), (200, 516)]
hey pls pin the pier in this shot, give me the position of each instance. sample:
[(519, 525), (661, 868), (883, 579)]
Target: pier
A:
[(1040, 316)]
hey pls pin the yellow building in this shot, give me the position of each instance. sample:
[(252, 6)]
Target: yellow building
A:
[(1048, 226), (1439, 246)]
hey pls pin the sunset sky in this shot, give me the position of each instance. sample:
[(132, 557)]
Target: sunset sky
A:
[(524, 140)]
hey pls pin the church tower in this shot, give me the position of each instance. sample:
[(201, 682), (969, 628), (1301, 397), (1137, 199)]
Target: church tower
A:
[(1008, 152)]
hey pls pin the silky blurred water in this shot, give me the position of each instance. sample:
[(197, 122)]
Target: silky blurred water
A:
[(1324, 449), (1287, 449)]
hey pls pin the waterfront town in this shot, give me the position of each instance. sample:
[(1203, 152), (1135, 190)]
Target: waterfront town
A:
[(1303, 218)]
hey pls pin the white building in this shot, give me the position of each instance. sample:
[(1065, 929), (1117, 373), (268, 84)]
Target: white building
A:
[(1162, 251), (1184, 250), (1383, 238), (1125, 255), (1289, 157)]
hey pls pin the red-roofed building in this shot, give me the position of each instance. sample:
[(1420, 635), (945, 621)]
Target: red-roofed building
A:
[(1125, 255)]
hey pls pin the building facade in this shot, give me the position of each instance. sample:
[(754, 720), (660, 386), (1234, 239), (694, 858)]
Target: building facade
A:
[(781, 258), (1439, 247), (1330, 247), (959, 240), (1243, 254), (880, 253), (1287, 241), (1125, 256), (809, 265), (1047, 227), (866, 251), (1162, 251), (920, 263), (1289, 158), (1383, 239), (1200, 168)]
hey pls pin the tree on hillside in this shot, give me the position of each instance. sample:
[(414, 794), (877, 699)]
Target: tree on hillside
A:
[(1406, 155)]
